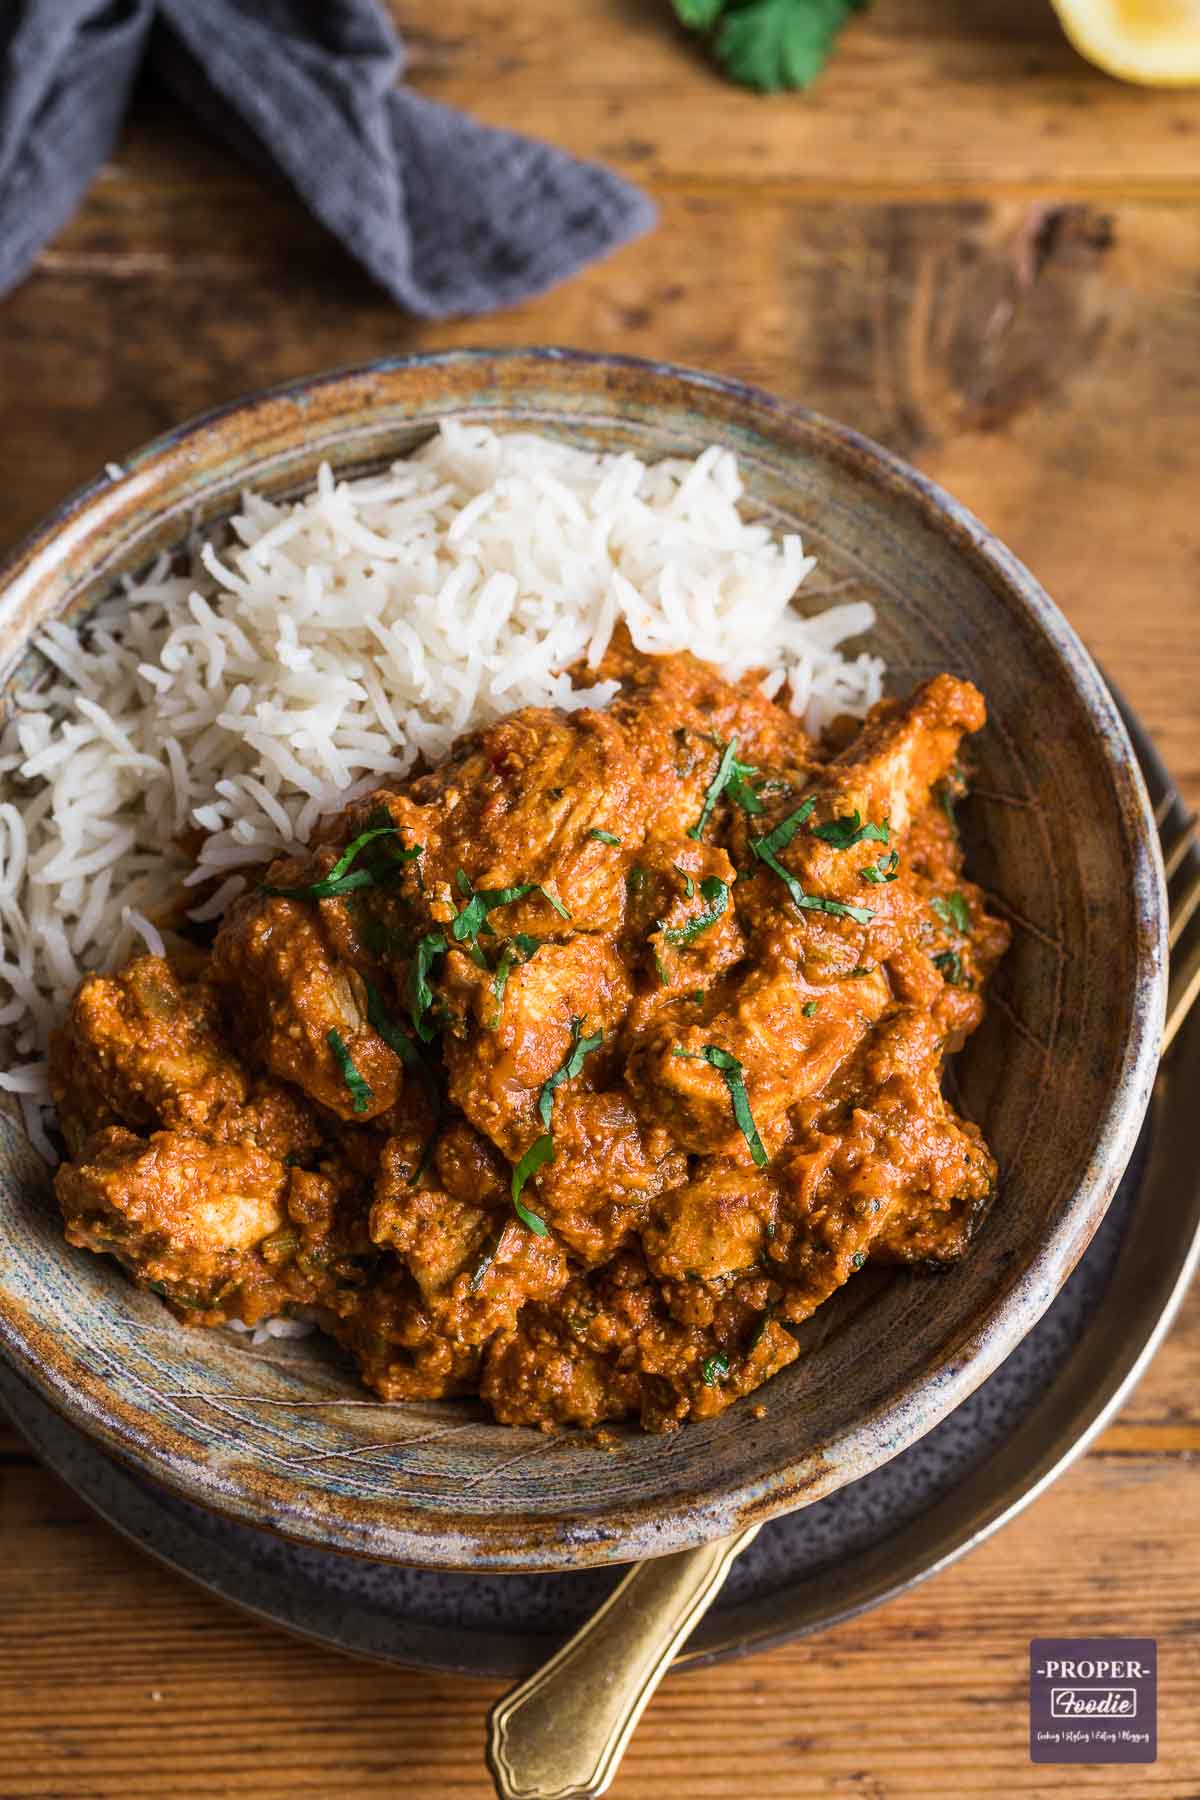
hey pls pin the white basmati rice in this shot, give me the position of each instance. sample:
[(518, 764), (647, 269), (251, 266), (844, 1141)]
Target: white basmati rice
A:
[(327, 642)]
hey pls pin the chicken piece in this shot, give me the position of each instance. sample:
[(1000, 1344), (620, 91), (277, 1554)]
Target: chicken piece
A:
[(860, 911), (142, 1048), (399, 1351), (605, 1171), (181, 1214), (531, 1376), (717, 1224), (681, 927), (787, 1036), (298, 1008), (499, 1064)]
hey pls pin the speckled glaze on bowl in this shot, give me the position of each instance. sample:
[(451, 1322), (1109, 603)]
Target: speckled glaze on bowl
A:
[(1059, 828)]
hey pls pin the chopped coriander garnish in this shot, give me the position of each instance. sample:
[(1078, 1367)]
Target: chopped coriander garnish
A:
[(635, 881), (809, 1009), (857, 1260), (689, 886), (714, 1368), (420, 994), (745, 796), (728, 769), (766, 849), (845, 832), (360, 1092), (948, 963), (472, 919), (953, 911), (731, 1070), (395, 1039), (760, 1330), (697, 995), (603, 837), (883, 870), (540, 1151), (340, 879), (716, 892), (580, 1048)]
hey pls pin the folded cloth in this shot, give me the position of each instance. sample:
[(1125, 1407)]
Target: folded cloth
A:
[(448, 215)]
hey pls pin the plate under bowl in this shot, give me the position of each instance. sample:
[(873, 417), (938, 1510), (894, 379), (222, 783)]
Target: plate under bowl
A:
[(1059, 830)]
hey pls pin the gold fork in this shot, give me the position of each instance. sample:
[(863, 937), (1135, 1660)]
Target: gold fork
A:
[(561, 1734)]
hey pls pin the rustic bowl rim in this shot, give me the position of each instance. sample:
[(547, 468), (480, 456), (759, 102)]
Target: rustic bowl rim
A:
[(529, 1542)]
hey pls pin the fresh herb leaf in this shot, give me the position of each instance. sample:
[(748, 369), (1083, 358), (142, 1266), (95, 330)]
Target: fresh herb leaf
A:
[(540, 1151), (359, 1090), (580, 1047), (745, 796), (635, 881), (948, 963), (416, 1064), (420, 994), (809, 1009), (760, 1330), (776, 44), (849, 830), (527, 945), (731, 1071), (714, 1369), (857, 1260), (697, 995), (603, 837), (766, 850), (339, 879), (716, 892), (785, 831), (728, 768), (953, 911), (689, 886), (699, 15), (883, 870), (472, 919)]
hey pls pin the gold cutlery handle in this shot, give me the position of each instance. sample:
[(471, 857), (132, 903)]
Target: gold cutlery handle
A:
[(561, 1734)]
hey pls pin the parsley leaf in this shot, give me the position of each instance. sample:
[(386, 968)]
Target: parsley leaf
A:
[(716, 892), (602, 837), (360, 1092), (775, 44), (540, 1151), (953, 911), (700, 15), (809, 1009), (731, 1070), (689, 886), (714, 1368), (728, 769), (845, 832), (580, 1047)]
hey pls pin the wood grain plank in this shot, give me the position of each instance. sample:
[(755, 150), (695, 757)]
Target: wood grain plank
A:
[(1041, 361), (171, 1694), (921, 92)]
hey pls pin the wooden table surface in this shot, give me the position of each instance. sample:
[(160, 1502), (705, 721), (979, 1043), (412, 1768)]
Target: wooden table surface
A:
[(969, 244)]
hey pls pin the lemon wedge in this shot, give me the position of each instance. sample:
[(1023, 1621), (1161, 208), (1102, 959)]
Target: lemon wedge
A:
[(1156, 42)]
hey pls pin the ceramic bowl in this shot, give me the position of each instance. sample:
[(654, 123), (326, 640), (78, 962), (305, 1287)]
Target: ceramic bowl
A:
[(1059, 829)]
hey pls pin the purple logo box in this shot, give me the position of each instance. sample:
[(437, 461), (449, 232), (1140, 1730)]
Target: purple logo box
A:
[(1093, 1700)]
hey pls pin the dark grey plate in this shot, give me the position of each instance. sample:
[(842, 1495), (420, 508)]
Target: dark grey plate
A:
[(870, 1539)]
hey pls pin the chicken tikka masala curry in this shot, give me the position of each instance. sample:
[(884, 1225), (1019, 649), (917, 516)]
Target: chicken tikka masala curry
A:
[(574, 1072)]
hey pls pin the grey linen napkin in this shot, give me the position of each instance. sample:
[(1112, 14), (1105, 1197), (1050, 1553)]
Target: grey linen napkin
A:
[(448, 215)]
